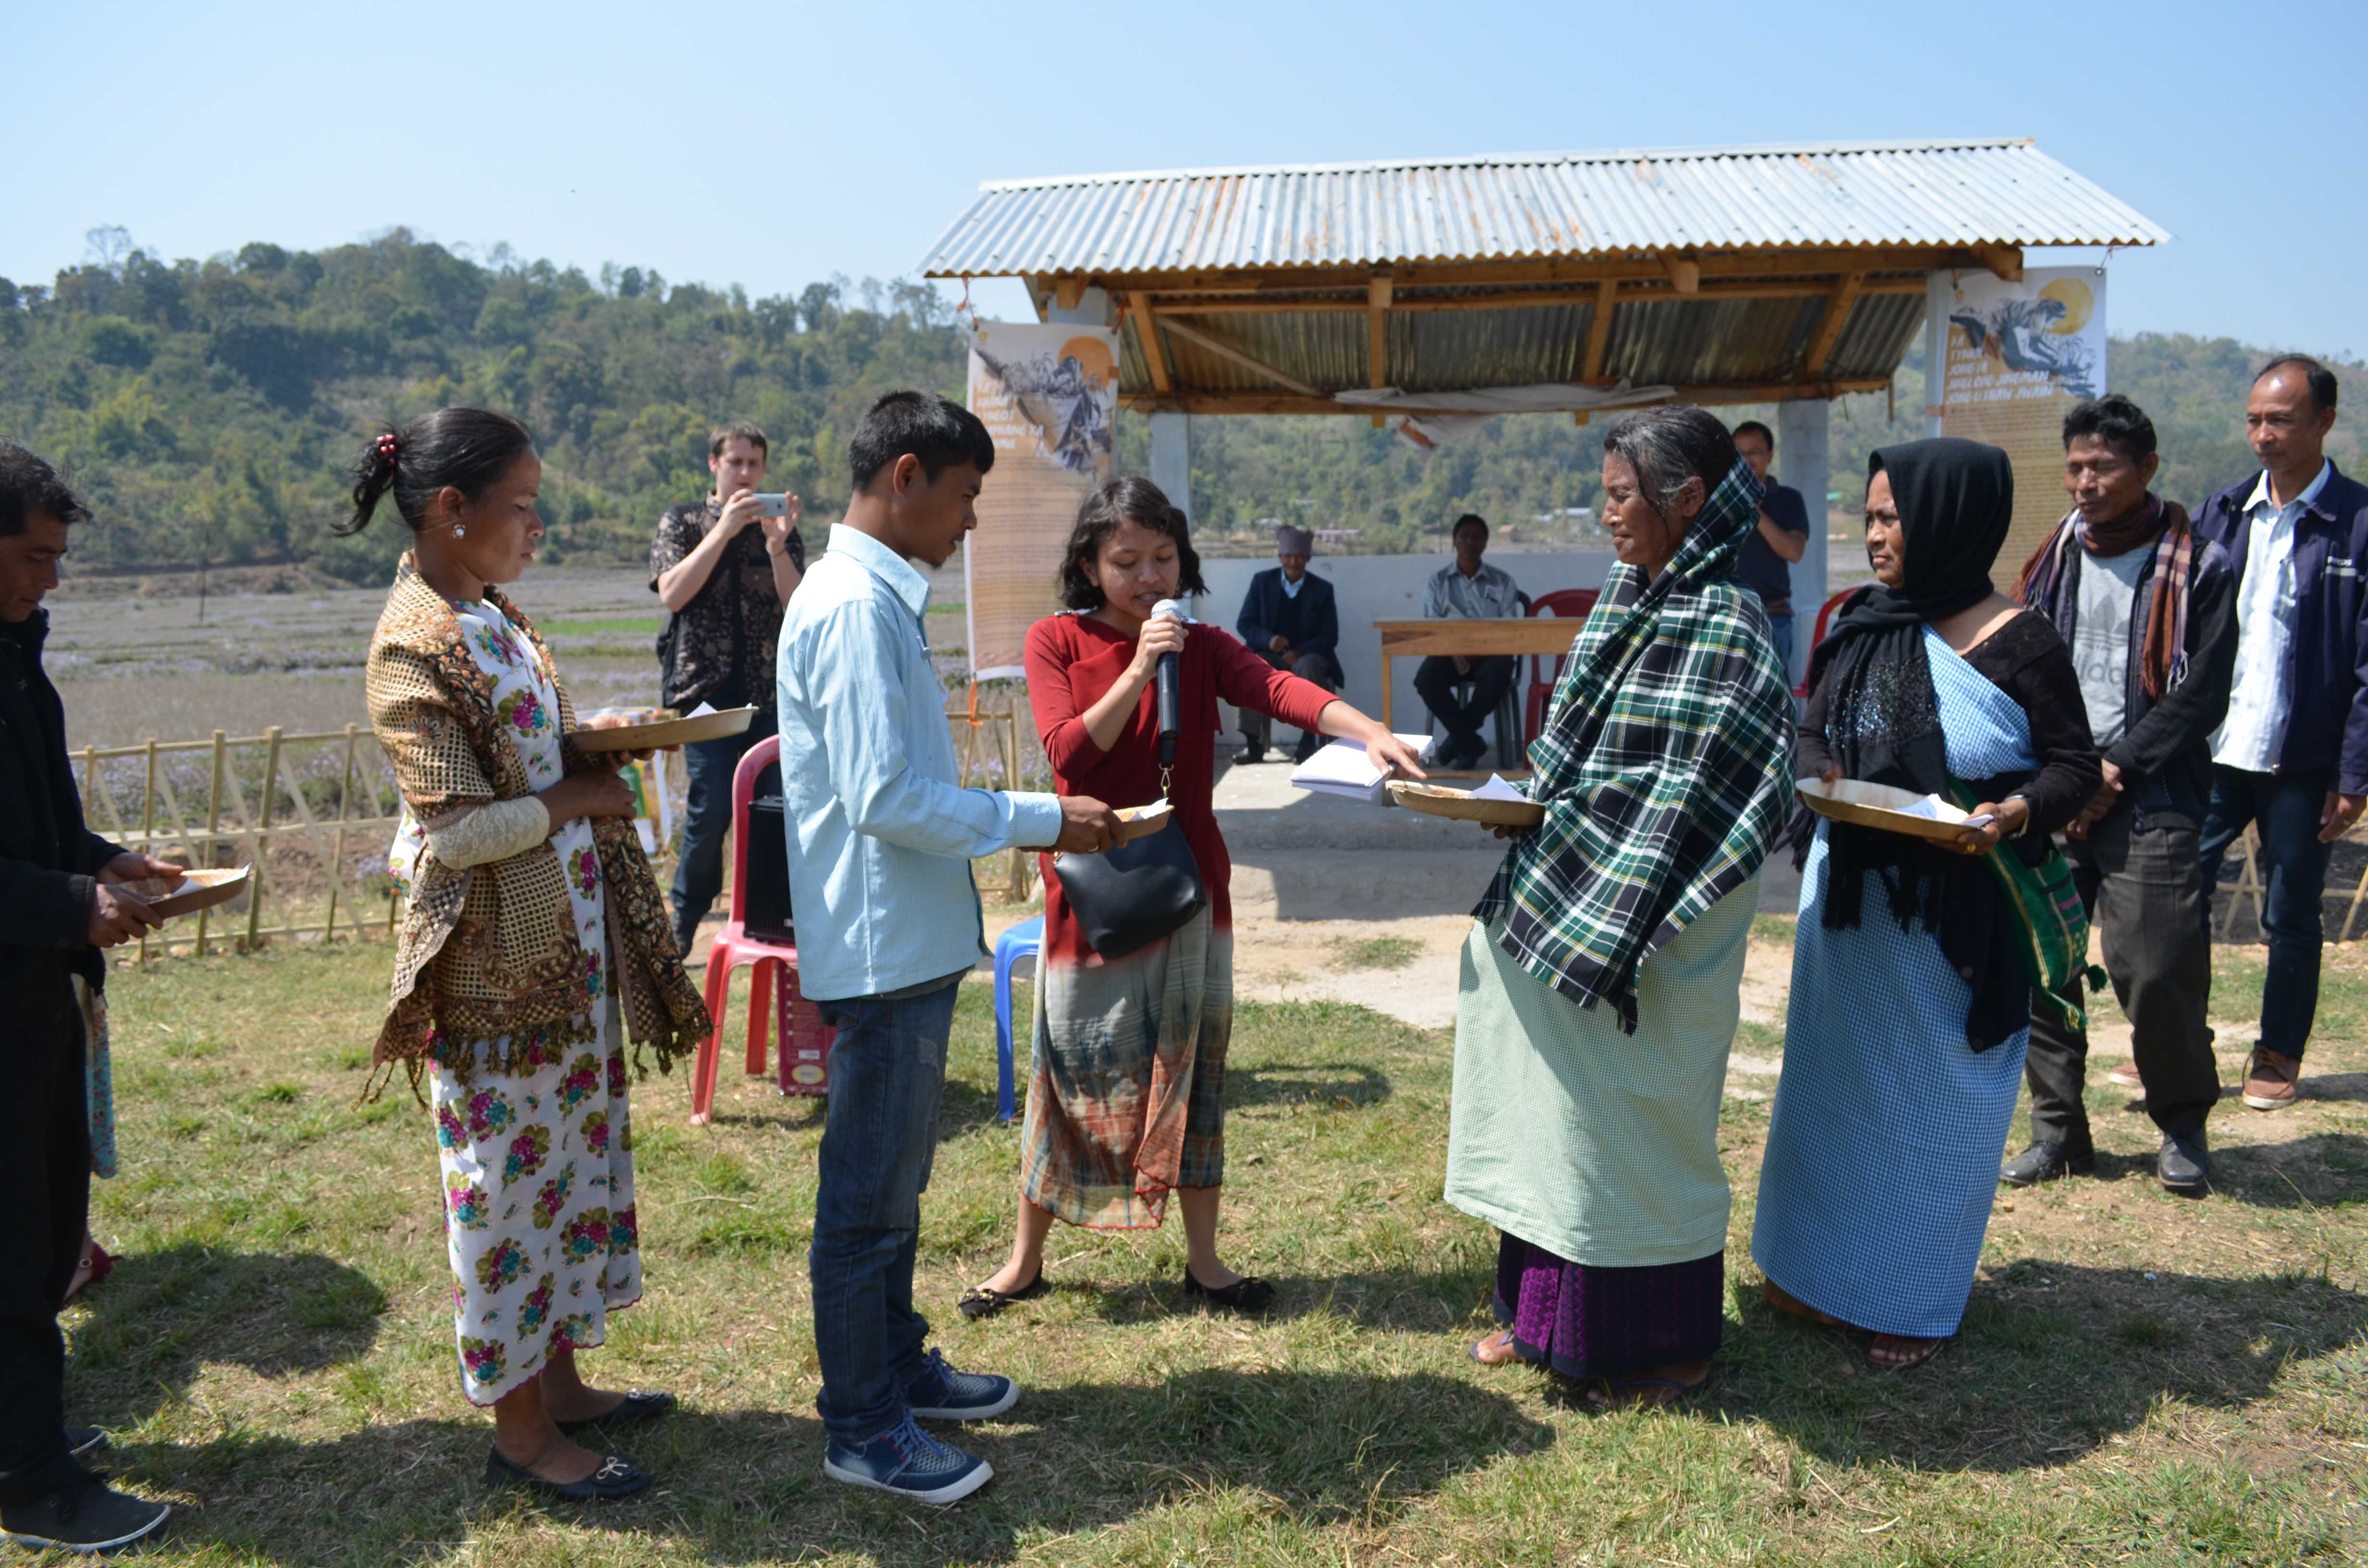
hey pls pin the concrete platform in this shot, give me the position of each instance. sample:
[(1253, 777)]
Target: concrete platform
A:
[(1323, 857)]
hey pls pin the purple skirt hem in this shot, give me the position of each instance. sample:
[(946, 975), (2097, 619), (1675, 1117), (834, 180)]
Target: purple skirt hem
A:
[(1587, 1322)]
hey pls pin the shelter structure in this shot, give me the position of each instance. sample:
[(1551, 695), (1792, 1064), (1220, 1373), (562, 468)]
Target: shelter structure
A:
[(1562, 280)]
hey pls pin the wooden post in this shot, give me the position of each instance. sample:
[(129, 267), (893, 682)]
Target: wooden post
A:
[(148, 826), (262, 837), (214, 825), (345, 809)]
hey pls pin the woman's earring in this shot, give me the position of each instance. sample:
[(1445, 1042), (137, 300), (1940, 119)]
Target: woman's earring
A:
[(459, 530)]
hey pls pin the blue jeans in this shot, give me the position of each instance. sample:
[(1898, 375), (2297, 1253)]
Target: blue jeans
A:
[(887, 1074), (1779, 633), (707, 766), (2293, 869)]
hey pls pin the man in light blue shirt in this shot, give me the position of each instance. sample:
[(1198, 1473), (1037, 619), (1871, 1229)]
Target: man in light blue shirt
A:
[(888, 922)]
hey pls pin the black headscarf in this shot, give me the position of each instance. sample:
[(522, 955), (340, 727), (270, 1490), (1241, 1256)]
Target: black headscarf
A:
[(1882, 721)]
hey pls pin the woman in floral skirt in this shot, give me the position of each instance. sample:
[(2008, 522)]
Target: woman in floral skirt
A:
[(534, 935)]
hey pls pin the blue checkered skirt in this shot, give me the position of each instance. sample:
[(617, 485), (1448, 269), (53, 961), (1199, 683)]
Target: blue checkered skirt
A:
[(1884, 1141)]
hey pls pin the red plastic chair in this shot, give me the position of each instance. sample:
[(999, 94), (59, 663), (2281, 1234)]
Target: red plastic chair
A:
[(805, 1039), (1824, 614), (1575, 604)]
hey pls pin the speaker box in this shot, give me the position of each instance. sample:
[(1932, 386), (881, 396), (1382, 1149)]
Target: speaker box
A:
[(768, 901)]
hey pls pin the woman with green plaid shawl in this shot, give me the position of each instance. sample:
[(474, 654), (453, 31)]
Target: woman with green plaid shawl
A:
[(1602, 980)]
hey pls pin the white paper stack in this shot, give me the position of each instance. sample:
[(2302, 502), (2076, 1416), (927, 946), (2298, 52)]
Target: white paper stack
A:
[(1343, 768)]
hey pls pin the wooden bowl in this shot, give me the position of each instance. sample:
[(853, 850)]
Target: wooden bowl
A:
[(193, 891), (659, 734), (1883, 808), (1142, 822), (1437, 800)]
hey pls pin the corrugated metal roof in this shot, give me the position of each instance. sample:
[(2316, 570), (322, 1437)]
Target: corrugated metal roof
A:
[(1892, 194), (1678, 339)]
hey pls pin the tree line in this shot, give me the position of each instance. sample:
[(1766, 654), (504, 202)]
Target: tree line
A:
[(207, 409)]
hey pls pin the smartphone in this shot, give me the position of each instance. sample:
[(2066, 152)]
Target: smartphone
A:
[(776, 505)]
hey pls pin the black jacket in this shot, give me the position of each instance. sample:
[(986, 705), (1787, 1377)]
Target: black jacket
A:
[(49, 860), (1310, 620), (2165, 752)]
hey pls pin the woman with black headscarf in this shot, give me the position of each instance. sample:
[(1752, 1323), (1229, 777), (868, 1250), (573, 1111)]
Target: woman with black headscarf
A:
[(1911, 990)]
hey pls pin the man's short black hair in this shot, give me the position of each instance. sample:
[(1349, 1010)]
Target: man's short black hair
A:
[(937, 431), (2115, 420), (1753, 427), (1469, 520), (30, 488), (2318, 377)]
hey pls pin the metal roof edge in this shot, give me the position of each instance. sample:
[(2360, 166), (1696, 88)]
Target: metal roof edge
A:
[(1518, 160)]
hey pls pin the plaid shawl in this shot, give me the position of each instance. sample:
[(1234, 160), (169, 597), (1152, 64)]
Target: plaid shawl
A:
[(1665, 767)]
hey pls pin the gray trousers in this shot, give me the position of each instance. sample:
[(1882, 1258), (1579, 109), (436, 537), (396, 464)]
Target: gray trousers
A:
[(2144, 891), (1257, 728)]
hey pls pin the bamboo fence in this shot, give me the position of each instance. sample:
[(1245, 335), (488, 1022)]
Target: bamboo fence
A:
[(314, 812)]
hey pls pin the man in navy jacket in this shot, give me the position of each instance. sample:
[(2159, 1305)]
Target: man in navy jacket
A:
[(2292, 757), (1288, 618)]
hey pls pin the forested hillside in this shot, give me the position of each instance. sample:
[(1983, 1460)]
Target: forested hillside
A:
[(207, 409)]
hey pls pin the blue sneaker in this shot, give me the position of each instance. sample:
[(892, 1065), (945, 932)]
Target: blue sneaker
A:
[(940, 1394), (909, 1463)]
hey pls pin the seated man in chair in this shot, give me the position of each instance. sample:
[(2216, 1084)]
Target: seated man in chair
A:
[(1289, 620), (1467, 590)]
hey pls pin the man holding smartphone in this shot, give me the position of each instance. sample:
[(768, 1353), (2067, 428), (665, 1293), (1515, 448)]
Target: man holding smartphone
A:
[(724, 568)]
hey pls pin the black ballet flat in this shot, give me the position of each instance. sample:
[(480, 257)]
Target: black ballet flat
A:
[(1248, 1295), (639, 1406), (978, 1301), (615, 1479)]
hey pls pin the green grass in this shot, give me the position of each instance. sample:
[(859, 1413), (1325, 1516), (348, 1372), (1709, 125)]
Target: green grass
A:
[(606, 625), (2140, 1379), (1378, 952)]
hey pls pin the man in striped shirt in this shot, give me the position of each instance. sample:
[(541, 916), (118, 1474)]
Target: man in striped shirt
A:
[(1468, 590)]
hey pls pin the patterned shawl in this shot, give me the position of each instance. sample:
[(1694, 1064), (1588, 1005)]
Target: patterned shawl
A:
[(2162, 663), (1665, 767), (485, 953)]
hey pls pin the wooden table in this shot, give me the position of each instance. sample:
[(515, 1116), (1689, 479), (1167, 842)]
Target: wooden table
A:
[(1543, 634)]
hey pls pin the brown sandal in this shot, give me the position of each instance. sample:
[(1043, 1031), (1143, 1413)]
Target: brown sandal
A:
[(1784, 1301), (1917, 1351)]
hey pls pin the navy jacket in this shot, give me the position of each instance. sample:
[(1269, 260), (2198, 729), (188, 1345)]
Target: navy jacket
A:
[(2328, 731), (1311, 622), (49, 860), (2165, 752)]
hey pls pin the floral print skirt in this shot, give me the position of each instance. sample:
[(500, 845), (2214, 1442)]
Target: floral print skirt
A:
[(538, 1206)]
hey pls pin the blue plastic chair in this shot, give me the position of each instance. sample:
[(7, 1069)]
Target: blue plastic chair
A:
[(1025, 940)]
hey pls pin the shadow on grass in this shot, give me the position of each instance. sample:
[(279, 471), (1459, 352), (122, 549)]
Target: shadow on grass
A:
[(2053, 1359), (1402, 1299), (742, 1487), (161, 1317), (1305, 1083)]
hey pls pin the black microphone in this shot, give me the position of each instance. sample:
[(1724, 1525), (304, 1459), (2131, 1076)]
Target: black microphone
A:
[(1170, 704)]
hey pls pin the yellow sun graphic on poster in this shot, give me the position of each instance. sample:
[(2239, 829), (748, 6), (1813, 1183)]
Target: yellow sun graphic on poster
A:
[(1094, 358), (2079, 303)]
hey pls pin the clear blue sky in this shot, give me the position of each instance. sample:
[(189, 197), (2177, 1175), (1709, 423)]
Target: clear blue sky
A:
[(775, 144)]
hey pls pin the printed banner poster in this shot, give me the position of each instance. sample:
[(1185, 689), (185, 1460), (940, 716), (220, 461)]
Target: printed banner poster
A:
[(2016, 357), (1049, 396)]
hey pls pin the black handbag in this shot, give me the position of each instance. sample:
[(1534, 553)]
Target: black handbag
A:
[(1130, 896)]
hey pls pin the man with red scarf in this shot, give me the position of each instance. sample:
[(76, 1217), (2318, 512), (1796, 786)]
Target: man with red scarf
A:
[(2149, 610)]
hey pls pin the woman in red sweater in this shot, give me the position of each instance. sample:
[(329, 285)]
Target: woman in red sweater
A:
[(1126, 1099)]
